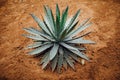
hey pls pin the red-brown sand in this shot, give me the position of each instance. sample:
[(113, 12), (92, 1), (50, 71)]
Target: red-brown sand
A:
[(16, 64)]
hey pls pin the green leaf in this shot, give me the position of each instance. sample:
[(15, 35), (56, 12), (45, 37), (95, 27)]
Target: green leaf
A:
[(73, 20), (35, 37), (64, 18), (64, 33), (57, 19), (62, 36), (57, 13), (80, 28), (40, 49), (71, 23), (54, 51), (72, 27), (67, 23), (60, 60), (40, 23), (74, 50), (54, 62)]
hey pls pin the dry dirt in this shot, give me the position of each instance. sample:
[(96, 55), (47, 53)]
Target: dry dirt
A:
[(16, 64)]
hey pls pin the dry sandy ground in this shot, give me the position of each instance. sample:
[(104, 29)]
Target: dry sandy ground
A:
[(16, 64)]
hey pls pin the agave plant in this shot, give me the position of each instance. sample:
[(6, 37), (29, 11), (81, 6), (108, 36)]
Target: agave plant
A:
[(56, 41)]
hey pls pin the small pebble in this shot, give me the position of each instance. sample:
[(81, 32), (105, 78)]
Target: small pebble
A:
[(82, 61)]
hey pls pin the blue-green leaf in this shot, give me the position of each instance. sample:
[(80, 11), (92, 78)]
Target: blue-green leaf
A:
[(60, 60), (49, 16), (48, 24), (35, 37), (40, 49), (34, 45), (49, 28), (67, 22), (81, 49), (36, 32), (73, 20), (44, 58), (46, 61), (72, 27), (74, 56), (70, 38), (54, 51), (74, 50), (54, 62), (40, 23), (64, 63), (80, 41), (80, 28), (69, 61)]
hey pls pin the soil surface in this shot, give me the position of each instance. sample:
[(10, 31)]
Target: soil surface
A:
[(16, 64)]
